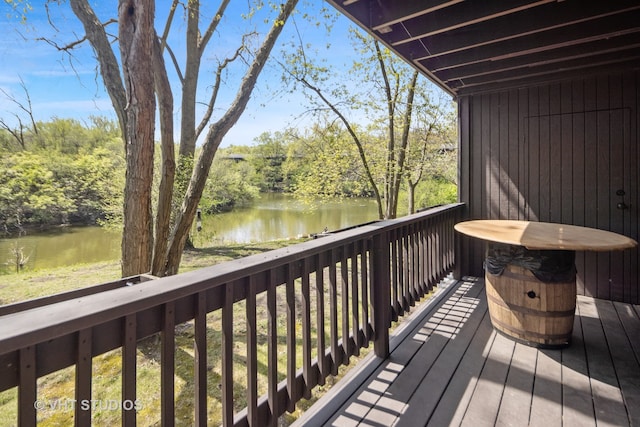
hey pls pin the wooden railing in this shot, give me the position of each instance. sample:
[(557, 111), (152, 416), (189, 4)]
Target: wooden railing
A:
[(297, 314)]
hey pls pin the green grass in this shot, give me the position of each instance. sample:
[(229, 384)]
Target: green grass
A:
[(31, 284)]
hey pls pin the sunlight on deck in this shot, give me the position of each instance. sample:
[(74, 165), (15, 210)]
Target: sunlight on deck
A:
[(450, 318), (382, 399)]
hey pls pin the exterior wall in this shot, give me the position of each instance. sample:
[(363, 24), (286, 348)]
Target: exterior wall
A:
[(557, 153)]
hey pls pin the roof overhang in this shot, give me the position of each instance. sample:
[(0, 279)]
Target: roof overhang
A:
[(478, 46)]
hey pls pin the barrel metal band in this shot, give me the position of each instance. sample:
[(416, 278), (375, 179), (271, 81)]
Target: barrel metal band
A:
[(525, 310), (523, 277)]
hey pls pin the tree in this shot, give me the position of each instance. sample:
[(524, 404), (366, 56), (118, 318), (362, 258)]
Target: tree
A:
[(432, 151), (18, 133), (149, 246), (386, 91), (230, 182), (267, 158), (29, 192), (329, 166)]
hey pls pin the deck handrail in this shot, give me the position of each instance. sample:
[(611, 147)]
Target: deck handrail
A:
[(371, 275)]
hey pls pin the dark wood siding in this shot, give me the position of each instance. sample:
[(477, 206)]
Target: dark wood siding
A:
[(559, 153)]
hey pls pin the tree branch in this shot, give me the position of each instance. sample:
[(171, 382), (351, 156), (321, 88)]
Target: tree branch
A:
[(216, 133), (213, 25), (355, 138), (216, 86), (109, 68)]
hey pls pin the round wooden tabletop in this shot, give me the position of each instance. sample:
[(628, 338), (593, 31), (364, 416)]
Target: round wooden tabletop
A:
[(544, 235)]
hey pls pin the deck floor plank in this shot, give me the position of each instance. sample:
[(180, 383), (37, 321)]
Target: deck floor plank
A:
[(547, 390), (485, 402), (428, 393), (624, 360), (607, 397), (455, 399), (630, 318), (516, 399), (577, 410), (452, 368), (376, 386)]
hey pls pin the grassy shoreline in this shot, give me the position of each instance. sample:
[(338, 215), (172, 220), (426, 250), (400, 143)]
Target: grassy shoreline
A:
[(29, 284)]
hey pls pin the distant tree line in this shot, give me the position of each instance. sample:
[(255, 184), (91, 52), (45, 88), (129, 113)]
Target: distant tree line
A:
[(68, 172), (60, 172)]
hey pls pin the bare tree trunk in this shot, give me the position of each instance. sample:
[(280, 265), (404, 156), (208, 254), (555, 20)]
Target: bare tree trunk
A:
[(216, 133), (165, 191), (412, 196), (136, 37), (391, 141), (399, 169)]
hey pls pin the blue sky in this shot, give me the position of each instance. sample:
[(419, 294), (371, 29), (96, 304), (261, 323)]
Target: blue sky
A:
[(69, 87)]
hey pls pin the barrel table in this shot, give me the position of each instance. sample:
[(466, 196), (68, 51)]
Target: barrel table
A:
[(530, 275)]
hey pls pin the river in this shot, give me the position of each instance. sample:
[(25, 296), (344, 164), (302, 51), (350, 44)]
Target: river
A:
[(270, 217)]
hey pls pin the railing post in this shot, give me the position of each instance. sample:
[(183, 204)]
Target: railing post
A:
[(381, 294)]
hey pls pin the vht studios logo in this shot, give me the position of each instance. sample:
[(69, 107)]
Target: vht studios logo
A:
[(88, 404)]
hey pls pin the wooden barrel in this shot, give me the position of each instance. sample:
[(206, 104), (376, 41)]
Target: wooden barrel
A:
[(533, 312)]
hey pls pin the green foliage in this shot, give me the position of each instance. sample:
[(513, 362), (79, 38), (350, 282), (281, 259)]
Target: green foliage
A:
[(435, 191), (230, 183), (72, 173), (328, 165), (267, 159), (29, 192), (97, 186), (68, 174)]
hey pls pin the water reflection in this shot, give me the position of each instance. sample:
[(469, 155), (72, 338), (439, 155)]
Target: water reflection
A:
[(281, 216), (63, 247), (273, 216)]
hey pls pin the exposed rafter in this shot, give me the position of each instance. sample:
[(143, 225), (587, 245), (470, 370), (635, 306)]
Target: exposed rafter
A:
[(471, 46)]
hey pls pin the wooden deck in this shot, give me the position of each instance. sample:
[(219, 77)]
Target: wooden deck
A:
[(449, 367)]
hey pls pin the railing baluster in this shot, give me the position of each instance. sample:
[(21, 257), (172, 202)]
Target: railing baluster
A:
[(336, 357), (272, 349), (129, 348), (405, 267), (227, 356), (401, 277), (411, 238), (424, 239), (438, 248), (200, 359), (291, 339), (344, 282), (309, 378), (417, 242), (421, 251), (322, 360), (252, 353), (83, 379), (27, 387), (432, 254), (397, 295), (355, 295), (167, 365), (364, 270)]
